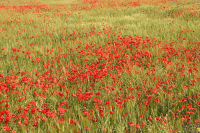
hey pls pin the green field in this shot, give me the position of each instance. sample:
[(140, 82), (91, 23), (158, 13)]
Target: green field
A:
[(99, 66)]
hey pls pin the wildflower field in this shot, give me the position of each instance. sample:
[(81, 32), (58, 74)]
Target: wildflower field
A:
[(92, 66)]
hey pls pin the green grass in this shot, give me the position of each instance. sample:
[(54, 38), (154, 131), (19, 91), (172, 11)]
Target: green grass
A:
[(56, 41)]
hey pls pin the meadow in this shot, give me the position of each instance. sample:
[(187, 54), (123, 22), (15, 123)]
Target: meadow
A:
[(92, 66)]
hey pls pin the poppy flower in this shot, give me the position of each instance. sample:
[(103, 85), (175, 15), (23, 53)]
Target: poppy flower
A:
[(131, 123)]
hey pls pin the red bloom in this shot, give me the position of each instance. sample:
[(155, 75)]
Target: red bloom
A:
[(32, 102), (131, 123), (86, 128), (33, 110), (190, 70), (14, 49), (61, 110), (23, 73), (182, 100), (111, 112), (150, 119), (98, 93), (35, 124), (142, 125), (97, 101), (7, 105), (137, 125), (6, 128)]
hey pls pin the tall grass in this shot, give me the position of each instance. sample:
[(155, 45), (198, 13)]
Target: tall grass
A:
[(99, 66)]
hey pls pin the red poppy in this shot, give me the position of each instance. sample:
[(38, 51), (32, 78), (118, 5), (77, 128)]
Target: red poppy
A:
[(150, 119), (111, 112), (131, 123), (86, 128)]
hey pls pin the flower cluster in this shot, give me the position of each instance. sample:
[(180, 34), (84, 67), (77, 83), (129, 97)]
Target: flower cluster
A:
[(61, 71)]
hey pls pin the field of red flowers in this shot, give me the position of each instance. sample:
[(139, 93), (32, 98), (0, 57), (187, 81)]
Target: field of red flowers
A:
[(100, 66)]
